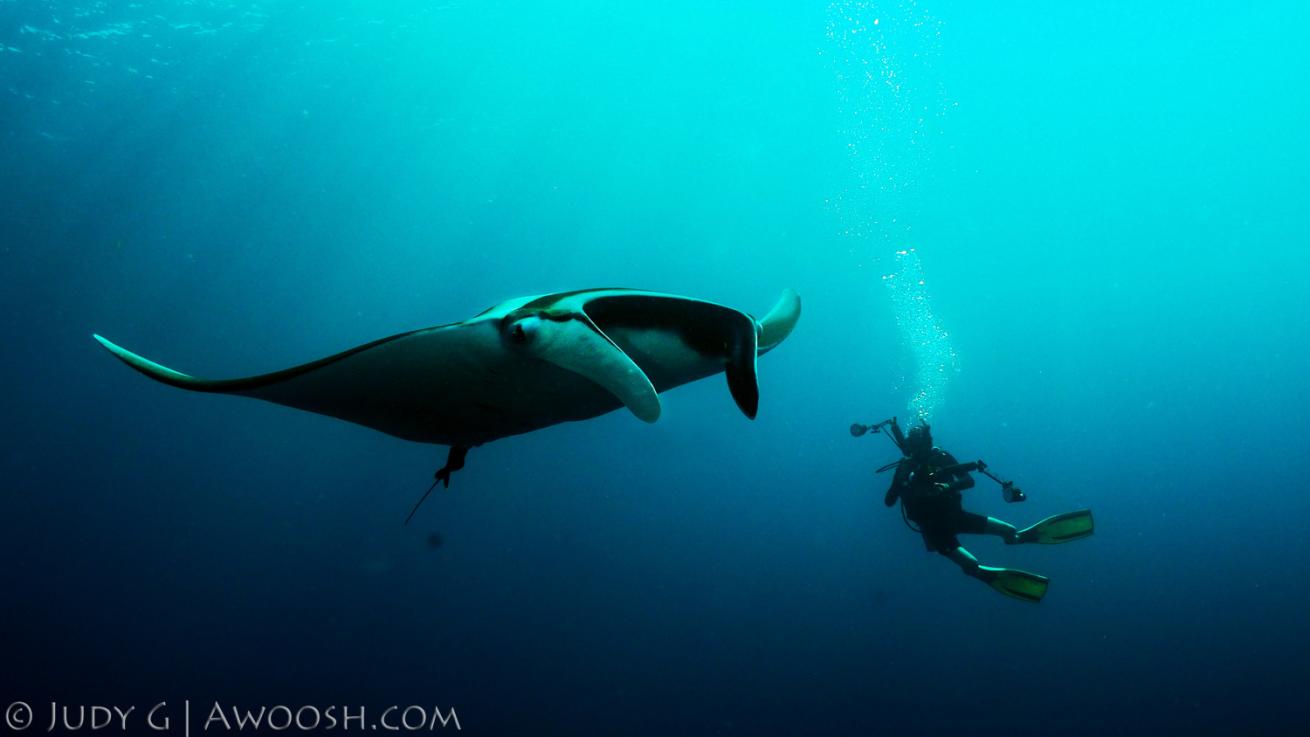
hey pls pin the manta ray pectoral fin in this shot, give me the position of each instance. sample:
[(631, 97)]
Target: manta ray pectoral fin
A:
[(153, 370), (574, 342), (778, 324)]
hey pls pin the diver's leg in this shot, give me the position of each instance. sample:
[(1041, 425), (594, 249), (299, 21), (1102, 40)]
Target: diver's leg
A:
[(965, 560), (976, 524), (1002, 529)]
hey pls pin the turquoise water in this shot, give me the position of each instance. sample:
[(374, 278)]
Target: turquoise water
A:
[(1073, 237)]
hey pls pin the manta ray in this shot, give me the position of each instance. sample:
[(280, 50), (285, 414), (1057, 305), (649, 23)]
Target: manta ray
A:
[(522, 365)]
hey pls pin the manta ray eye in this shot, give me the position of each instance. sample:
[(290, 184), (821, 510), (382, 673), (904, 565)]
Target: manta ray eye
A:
[(521, 332)]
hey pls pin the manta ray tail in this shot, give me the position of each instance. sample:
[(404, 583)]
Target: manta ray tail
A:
[(454, 462)]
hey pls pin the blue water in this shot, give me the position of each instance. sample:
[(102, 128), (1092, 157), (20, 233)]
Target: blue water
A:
[(1074, 236)]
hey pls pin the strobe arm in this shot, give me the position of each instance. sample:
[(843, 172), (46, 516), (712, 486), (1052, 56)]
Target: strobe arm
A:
[(1009, 491)]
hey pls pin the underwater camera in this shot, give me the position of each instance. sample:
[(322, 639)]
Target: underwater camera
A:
[(1012, 493)]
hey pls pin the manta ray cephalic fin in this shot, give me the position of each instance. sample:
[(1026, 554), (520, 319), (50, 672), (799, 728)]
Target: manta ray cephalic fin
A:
[(575, 343)]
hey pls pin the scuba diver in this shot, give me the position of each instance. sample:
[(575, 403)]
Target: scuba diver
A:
[(928, 482)]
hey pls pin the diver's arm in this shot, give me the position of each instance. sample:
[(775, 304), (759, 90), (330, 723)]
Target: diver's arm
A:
[(898, 482), (960, 480)]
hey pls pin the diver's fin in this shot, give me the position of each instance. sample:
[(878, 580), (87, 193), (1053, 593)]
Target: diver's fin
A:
[(1059, 529), (1013, 582)]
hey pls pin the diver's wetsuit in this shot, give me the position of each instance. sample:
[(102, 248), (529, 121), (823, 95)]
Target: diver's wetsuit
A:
[(938, 513)]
